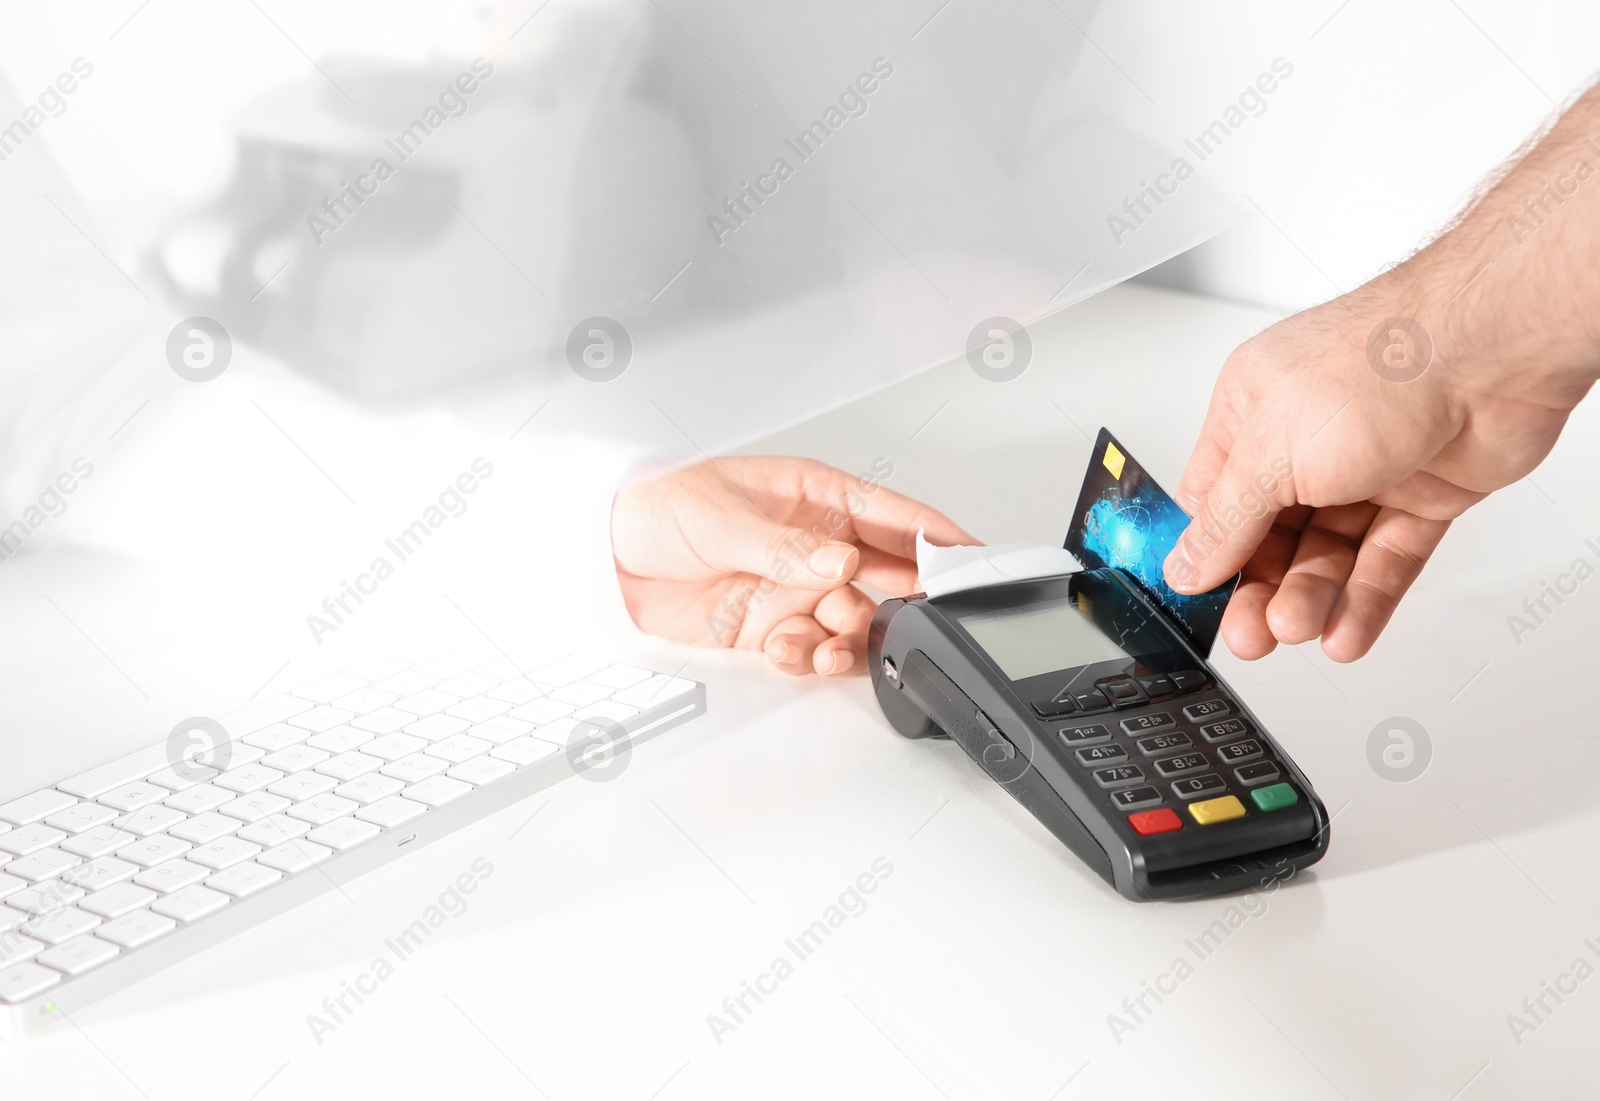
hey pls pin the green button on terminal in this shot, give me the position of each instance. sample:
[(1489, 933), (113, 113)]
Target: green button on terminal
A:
[(1275, 797)]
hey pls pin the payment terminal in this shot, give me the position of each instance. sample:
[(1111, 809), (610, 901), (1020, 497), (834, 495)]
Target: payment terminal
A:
[(1083, 701)]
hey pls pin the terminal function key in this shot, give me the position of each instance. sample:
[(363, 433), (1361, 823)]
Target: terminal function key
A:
[(1135, 798), (1275, 797), (1221, 732), (1182, 764), (1160, 820), (1158, 723), (1164, 743), (1189, 680), (1258, 773), (1213, 811), (1206, 709), (1238, 752), (1196, 786), (1157, 687)]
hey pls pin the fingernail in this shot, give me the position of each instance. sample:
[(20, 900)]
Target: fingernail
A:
[(838, 662), (831, 559), (782, 653), (1179, 570)]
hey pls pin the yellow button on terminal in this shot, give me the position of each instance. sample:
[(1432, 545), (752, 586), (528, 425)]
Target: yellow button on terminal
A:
[(1211, 811)]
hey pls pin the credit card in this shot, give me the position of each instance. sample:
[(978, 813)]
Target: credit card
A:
[(1126, 521)]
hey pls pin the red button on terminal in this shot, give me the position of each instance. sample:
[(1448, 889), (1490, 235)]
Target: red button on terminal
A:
[(1160, 820)]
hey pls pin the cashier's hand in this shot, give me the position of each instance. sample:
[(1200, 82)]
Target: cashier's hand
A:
[(761, 553)]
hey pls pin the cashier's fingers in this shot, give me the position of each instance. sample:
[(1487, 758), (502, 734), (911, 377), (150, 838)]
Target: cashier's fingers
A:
[(889, 521), (1393, 553), (746, 542), (792, 643), (888, 573), (846, 613)]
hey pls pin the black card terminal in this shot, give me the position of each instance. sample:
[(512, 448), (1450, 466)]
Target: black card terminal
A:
[(1101, 719)]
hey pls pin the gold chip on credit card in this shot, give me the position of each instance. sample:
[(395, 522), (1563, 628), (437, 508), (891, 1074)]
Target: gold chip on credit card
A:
[(1114, 460)]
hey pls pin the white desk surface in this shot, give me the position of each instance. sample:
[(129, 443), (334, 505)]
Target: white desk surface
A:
[(987, 961)]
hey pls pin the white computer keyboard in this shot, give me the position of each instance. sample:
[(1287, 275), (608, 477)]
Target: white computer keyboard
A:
[(125, 869)]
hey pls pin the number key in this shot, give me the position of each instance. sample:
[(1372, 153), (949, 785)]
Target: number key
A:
[(1182, 764), (1206, 709), (1118, 775), (1238, 752), (1101, 755), (1158, 723), (1164, 743)]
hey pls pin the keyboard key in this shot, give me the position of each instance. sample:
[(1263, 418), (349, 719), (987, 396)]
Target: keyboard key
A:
[(152, 819), (1275, 797), (274, 830), (501, 730), (481, 770), (1159, 723), (1206, 709), (174, 875), (1148, 822), (14, 948), (392, 747), (253, 808), (418, 766), (11, 919), (347, 766), (97, 842), (342, 739), (224, 853), (10, 885), (1088, 734), (84, 816), (363, 700), (130, 797), (462, 747), (258, 716), (205, 828), (303, 785), (244, 879), (542, 711), (22, 981), (1182, 765), (1258, 773), (620, 676), (436, 727), (391, 811), (330, 688), (294, 856), (175, 780), (150, 851), (607, 711), (516, 692), (321, 718), (117, 900), (1158, 744), (324, 808), (51, 894), (369, 789), (438, 790), (99, 873), (1221, 732), (190, 903), (31, 808), (278, 737), (78, 955), (525, 750), (1236, 753), (479, 709), (44, 864), (132, 930), (30, 839), (1135, 798), (566, 671), (249, 778), (198, 799), (1196, 786), (423, 704), (1213, 811), (581, 693), (63, 924), (1101, 755), (346, 833), (297, 758), (1118, 776)]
